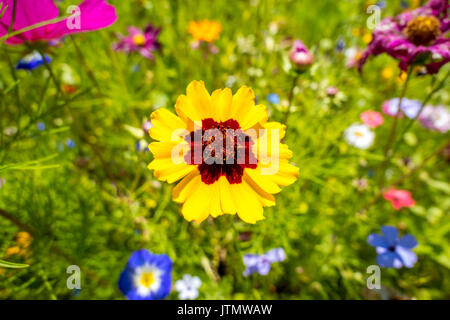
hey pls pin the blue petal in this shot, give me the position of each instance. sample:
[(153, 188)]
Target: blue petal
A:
[(163, 262), (407, 241), (408, 257), (276, 255), (251, 260), (165, 285), (126, 281), (388, 260), (139, 258), (390, 233), (263, 267), (375, 240)]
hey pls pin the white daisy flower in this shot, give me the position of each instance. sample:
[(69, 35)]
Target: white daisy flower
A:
[(188, 287), (359, 136)]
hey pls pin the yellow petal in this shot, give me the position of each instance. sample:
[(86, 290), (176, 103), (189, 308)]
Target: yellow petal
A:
[(243, 101), (266, 199), (249, 209), (186, 186), (221, 102), (264, 182), (257, 114), (165, 123), (226, 198), (166, 170), (196, 105), (215, 208), (197, 205)]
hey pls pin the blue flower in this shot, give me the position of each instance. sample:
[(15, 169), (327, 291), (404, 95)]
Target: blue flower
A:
[(40, 126), (70, 143), (262, 263), (381, 4), (392, 251), (409, 107), (404, 4), (340, 46), (141, 145), (32, 61), (273, 98), (147, 276)]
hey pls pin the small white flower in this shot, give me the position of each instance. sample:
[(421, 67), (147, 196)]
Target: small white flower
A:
[(359, 136), (188, 287)]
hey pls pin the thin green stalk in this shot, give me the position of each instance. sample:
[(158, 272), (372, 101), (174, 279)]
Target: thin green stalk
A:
[(89, 71), (291, 97), (387, 149), (424, 103)]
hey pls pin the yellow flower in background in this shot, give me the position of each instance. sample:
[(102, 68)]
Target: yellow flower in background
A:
[(228, 157), (23, 240), (367, 37), (387, 73), (205, 30)]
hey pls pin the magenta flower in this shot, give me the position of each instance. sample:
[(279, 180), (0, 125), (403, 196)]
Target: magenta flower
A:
[(414, 37), (372, 119), (94, 15), (145, 42), (300, 55), (399, 198)]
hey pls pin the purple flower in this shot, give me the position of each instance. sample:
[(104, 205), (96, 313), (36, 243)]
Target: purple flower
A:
[(408, 107), (262, 263), (145, 42), (300, 55), (414, 37), (392, 251), (435, 118), (146, 126)]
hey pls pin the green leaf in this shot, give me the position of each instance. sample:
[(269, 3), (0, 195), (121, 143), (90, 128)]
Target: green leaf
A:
[(12, 265)]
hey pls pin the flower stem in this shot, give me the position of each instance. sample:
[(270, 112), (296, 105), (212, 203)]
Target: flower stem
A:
[(290, 98), (89, 71), (387, 149)]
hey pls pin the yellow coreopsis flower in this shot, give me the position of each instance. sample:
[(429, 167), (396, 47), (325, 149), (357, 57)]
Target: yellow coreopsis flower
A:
[(205, 30), (228, 156)]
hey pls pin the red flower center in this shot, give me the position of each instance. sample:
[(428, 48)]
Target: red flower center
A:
[(220, 149)]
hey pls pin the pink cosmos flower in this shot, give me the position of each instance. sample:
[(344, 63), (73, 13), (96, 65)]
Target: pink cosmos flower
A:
[(300, 55), (94, 15), (399, 198), (414, 37), (144, 42), (372, 119)]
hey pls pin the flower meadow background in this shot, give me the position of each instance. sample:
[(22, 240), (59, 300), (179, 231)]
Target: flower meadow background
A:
[(75, 188)]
